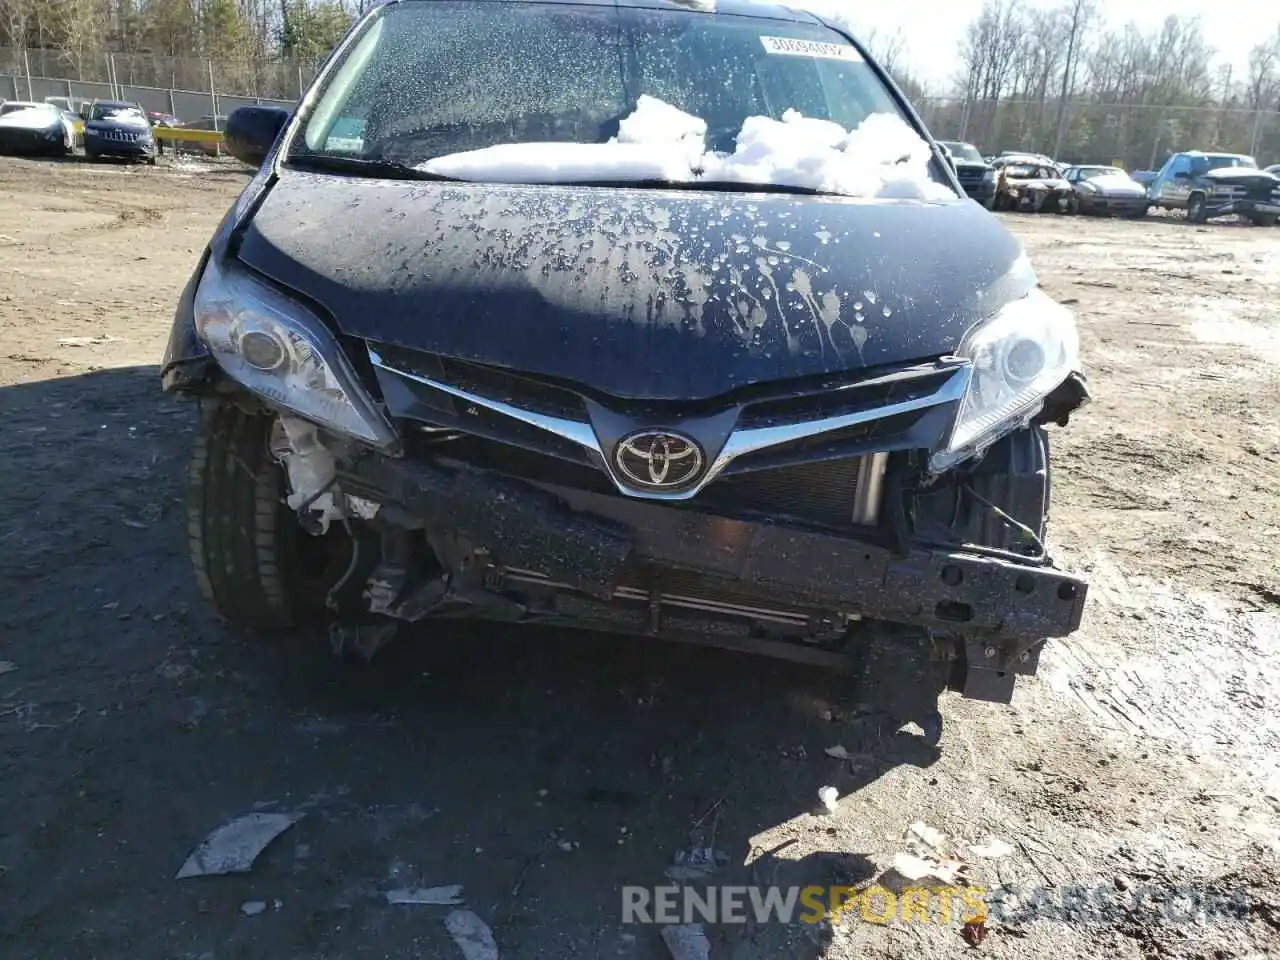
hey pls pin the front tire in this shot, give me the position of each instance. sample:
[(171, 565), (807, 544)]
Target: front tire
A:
[(1264, 219), (1195, 209), (253, 561)]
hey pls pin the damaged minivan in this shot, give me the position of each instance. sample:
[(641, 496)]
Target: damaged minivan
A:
[(659, 318)]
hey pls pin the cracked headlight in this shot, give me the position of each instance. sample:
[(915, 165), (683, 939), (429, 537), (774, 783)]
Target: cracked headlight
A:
[(1019, 357), (275, 347)]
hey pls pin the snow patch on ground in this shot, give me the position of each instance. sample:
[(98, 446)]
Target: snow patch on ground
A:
[(881, 157)]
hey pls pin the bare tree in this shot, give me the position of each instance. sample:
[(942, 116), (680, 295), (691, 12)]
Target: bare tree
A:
[(1081, 11)]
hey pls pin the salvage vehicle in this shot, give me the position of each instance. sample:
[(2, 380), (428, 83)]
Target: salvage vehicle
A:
[(31, 128), (117, 128), (1209, 185), (1032, 188), (570, 350), (1107, 191), (976, 175)]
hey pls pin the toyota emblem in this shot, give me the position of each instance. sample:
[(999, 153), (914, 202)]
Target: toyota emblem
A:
[(658, 460)]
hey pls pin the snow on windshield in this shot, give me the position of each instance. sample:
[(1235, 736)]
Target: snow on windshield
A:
[(881, 157), (131, 116)]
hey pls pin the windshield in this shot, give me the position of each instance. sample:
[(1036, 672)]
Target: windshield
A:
[(1203, 164), (427, 81), (963, 151), (113, 111), (1087, 172)]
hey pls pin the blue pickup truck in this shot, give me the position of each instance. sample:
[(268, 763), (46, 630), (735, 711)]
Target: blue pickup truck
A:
[(1208, 185)]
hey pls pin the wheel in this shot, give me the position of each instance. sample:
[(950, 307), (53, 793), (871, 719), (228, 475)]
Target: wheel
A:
[(1264, 219), (1195, 208), (253, 561)]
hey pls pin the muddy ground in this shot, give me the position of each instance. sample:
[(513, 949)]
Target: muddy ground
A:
[(543, 771)]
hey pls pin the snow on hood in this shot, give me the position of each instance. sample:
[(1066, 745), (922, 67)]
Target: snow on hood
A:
[(881, 157), (32, 118)]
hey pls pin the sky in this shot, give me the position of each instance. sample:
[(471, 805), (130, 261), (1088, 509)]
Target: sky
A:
[(934, 28)]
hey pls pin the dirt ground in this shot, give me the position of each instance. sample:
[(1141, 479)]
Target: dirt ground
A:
[(544, 771)]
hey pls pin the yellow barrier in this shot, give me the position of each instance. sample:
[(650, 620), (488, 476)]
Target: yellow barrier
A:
[(171, 133), (186, 135)]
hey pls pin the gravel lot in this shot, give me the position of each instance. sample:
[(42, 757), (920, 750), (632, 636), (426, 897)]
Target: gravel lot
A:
[(543, 771)]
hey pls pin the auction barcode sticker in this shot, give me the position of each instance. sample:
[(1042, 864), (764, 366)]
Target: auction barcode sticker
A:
[(789, 46)]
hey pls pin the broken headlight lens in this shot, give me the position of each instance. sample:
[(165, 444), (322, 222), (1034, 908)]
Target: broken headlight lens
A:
[(1019, 357), (275, 347)]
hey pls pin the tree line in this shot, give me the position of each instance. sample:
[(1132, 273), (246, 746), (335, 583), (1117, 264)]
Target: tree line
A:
[(1054, 79), (1059, 80)]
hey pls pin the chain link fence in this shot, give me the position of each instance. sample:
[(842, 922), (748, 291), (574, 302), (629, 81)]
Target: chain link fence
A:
[(191, 88)]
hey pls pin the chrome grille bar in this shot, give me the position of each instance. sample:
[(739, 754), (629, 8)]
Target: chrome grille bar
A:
[(739, 443)]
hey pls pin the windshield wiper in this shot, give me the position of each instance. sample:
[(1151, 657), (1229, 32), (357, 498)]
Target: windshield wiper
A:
[(360, 167), (723, 186)]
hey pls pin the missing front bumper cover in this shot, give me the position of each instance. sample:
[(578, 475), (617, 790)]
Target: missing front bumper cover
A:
[(587, 541)]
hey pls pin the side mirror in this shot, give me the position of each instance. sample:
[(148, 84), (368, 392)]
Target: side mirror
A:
[(251, 132)]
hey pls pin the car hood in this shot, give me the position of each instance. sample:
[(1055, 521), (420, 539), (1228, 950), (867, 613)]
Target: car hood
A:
[(639, 293), (29, 120), (133, 126), (1237, 175), (1049, 183), (1115, 183)]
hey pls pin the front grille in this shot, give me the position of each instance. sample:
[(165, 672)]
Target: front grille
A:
[(532, 427), (537, 394), (833, 399), (1261, 190), (820, 492), (119, 136)]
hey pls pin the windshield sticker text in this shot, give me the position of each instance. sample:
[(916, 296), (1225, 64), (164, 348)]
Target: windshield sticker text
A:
[(787, 46)]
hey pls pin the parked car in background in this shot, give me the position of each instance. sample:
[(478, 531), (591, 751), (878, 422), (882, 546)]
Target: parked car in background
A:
[(1274, 169), (1208, 185), (1107, 191), (118, 128), (539, 415), (210, 122), (1031, 187), (976, 175), (158, 119), (31, 128)]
